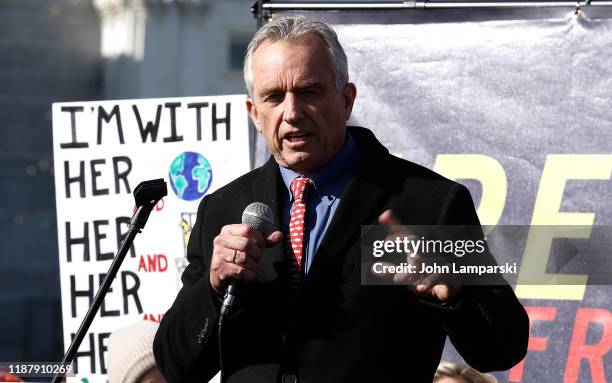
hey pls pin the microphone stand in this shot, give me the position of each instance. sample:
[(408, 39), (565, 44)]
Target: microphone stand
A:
[(147, 194)]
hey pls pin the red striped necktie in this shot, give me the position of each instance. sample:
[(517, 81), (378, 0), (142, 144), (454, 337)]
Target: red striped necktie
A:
[(299, 190)]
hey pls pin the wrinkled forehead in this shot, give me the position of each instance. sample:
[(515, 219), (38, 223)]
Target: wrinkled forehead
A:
[(308, 38), (307, 56)]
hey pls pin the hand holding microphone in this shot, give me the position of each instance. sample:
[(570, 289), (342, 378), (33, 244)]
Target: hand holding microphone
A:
[(236, 254), (239, 247)]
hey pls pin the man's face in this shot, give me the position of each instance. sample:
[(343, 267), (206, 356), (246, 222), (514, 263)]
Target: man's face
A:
[(295, 104)]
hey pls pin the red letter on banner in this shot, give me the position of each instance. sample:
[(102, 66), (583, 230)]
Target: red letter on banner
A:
[(595, 352), (535, 343)]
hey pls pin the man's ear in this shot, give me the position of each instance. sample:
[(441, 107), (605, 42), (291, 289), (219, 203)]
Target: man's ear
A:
[(252, 110), (349, 93)]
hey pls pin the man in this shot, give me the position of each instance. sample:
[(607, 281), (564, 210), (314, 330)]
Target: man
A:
[(304, 315)]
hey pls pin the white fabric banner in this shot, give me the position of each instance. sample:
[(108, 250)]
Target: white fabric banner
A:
[(519, 111), (516, 92)]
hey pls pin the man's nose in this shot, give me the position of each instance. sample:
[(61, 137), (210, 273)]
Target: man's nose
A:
[(292, 109)]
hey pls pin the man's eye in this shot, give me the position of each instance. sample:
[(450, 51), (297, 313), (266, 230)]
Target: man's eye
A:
[(274, 97), (309, 92)]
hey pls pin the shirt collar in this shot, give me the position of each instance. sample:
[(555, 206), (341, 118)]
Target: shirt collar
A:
[(330, 179)]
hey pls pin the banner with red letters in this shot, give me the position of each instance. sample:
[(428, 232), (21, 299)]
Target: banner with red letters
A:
[(516, 107)]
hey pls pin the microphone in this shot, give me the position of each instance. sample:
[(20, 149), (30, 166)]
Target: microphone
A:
[(259, 216)]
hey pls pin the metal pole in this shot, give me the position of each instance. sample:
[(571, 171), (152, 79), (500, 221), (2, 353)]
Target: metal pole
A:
[(97, 302), (428, 5), (147, 194), (257, 9)]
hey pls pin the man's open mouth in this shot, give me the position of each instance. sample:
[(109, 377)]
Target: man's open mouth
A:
[(296, 137)]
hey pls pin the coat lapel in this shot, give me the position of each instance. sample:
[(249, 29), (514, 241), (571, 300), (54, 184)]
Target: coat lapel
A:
[(360, 204), (360, 201), (266, 189)]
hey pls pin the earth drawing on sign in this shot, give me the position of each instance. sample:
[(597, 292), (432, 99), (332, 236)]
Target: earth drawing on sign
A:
[(190, 176)]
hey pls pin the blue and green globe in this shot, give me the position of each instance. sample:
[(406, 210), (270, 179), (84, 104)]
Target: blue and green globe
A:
[(190, 175)]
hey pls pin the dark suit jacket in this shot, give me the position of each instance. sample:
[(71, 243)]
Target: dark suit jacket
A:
[(339, 330)]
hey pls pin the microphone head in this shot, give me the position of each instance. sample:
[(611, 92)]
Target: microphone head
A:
[(259, 216)]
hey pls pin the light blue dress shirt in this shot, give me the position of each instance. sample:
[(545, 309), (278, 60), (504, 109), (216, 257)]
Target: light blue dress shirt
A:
[(323, 197)]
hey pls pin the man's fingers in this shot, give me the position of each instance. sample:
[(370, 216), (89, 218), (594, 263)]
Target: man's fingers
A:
[(240, 258), (406, 278), (439, 292), (237, 251), (236, 254), (388, 218), (380, 270), (394, 225), (244, 230), (242, 244), (429, 281), (274, 238), (231, 271)]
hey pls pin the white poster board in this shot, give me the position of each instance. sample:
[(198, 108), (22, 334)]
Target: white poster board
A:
[(102, 151)]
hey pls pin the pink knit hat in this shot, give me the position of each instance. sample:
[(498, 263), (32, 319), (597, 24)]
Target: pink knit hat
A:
[(130, 352)]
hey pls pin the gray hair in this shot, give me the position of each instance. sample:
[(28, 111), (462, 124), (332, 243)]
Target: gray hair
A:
[(295, 28)]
